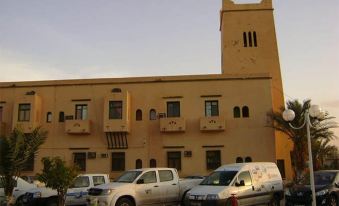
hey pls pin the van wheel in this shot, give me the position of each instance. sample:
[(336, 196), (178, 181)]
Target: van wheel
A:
[(124, 202), (275, 201), (333, 200)]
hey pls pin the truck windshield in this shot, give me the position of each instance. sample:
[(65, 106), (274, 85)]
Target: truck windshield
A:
[(128, 176), (219, 178)]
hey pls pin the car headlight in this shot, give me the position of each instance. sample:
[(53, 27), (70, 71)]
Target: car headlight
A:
[(321, 192), (106, 191), (37, 195), (287, 192), (212, 197)]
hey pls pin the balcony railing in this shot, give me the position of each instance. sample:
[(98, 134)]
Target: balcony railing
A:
[(212, 124), (78, 126), (116, 125), (172, 124)]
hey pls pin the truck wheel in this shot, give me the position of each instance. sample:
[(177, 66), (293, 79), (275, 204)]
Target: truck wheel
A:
[(52, 201), (124, 202), (19, 201)]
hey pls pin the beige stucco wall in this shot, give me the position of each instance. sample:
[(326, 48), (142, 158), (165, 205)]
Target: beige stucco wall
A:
[(241, 137)]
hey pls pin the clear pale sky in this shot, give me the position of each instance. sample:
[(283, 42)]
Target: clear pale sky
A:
[(63, 39)]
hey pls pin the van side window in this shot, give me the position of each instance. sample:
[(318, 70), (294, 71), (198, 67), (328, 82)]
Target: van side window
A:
[(246, 177), (98, 180)]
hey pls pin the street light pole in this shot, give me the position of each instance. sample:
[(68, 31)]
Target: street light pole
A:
[(310, 159), (313, 111)]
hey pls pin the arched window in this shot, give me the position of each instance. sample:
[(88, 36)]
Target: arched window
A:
[(244, 39), (255, 38), (236, 112), (49, 117), (239, 160), (250, 39), (152, 114), (245, 111), (248, 159), (152, 163), (138, 164), (138, 115)]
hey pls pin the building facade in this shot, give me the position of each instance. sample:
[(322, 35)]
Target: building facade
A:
[(193, 123)]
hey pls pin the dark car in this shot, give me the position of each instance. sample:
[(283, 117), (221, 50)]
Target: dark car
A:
[(326, 189)]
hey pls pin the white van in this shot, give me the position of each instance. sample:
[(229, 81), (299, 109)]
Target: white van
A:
[(251, 183)]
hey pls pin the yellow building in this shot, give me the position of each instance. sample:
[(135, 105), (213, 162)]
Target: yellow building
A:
[(194, 123)]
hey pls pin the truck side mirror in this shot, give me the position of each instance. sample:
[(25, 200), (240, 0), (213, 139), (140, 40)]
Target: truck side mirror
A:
[(239, 184), (140, 181)]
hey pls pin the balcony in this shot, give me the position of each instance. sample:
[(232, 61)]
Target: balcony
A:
[(116, 125), (33, 119), (119, 123), (78, 126), (172, 124), (212, 124), (2, 129), (27, 127)]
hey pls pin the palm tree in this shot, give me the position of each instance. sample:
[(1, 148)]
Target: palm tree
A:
[(321, 130), (15, 150), (321, 149)]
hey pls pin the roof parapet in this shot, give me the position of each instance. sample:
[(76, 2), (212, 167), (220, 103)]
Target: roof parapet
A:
[(230, 5)]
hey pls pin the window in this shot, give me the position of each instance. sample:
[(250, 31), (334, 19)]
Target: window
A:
[(281, 167), (211, 108), (152, 114), (118, 161), (115, 110), (174, 160), (173, 109), (255, 38), (49, 117), (236, 112), (149, 177), (24, 112), (213, 159), (98, 180), (245, 112), (29, 165), (80, 160), (239, 160), (61, 116), (246, 177), (81, 111), (248, 159), (138, 164), (1, 111), (138, 115), (81, 181), (250, 39), (165, 175), (245, 39), (152, 163)]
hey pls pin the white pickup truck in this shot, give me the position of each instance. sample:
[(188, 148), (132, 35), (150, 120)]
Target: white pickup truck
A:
[(148, 186), (76, 194)]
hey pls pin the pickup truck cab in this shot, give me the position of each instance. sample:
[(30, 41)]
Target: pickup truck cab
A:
[(253, 183), (21, 186), (148, 186), (76, 194)]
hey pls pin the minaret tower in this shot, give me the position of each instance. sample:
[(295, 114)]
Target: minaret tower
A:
[(249, 46)]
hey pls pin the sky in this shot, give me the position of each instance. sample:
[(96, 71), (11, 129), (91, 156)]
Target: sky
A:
[(63, 39)]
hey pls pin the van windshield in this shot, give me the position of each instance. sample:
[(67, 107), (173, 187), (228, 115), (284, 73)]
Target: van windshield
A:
[(128, 176), (219, 178)]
